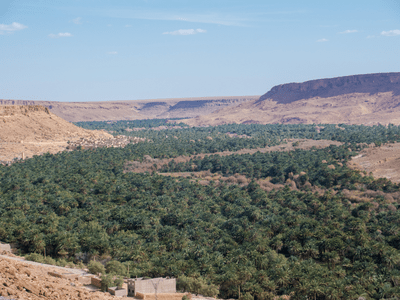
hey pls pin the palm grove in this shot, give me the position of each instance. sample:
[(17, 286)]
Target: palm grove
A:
[(236, 241)]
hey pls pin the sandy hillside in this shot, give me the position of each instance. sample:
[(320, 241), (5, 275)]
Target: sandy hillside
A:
[(33, 130), (360, 99)]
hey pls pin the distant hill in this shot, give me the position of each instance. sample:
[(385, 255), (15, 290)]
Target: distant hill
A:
[(135, 109), (333, 87), (358, 99)]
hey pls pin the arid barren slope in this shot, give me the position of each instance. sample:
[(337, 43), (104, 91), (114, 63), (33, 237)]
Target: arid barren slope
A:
[(359, 99), (135, 109), (33, 130)]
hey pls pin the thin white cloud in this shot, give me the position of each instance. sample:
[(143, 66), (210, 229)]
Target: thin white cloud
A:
[(391, 32), (186, 31), (349, 31), (61, 34), (77, 21), (14, 26), (112, 52), (208, 18), (322, 40)]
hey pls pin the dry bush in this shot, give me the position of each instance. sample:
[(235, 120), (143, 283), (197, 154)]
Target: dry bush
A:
[(241, 179), (291, 184), (375, 205), (396, 196), (268, 186), (353, 197), (319, 191), (230, 179), (371, 193), (204, 182), (389, 198)]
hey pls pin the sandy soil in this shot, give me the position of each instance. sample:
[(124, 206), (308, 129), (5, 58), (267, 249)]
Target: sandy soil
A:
[(381, 161), (33, 130), (354, 108), (27, 281), (358, 99)]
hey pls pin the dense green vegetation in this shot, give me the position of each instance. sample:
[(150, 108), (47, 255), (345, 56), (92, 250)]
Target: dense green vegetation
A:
[(189, 141), (270, 132), (120, 126), (231, 240)]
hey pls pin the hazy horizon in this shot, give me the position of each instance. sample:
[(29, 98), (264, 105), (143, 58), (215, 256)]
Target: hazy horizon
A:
[(150, 49)]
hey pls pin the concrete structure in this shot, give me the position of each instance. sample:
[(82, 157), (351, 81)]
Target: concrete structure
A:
[(162, 296), (115, 291), (149, 286)]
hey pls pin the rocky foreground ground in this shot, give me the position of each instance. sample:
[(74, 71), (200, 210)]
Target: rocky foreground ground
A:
[(23, 280), (31, 281)]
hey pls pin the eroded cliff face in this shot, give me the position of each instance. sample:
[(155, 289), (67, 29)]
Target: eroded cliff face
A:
[(332, 87)]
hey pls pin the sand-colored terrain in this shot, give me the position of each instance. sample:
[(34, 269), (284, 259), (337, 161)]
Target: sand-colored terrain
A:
[(135, 109), (382, 162), (33, 130), (359, 99), (355, 108), (29, 281)]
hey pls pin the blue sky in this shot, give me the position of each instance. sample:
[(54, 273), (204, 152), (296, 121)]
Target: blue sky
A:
[(98, 50)]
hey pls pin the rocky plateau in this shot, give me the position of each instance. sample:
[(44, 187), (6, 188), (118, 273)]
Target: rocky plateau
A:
[(135, 109), (368, 99)]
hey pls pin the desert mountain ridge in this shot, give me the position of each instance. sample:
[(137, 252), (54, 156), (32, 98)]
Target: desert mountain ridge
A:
[(357, 99), (135, 109), (368, 99), (333, 87)]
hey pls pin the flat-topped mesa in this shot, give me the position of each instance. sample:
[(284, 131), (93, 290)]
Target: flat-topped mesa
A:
[(10, 110), (331, 87), (136, 109)]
